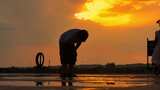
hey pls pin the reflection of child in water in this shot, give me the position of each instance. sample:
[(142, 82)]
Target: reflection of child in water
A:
[(156, 53), (69, 43)]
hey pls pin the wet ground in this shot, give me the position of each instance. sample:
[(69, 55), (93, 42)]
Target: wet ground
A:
[(82, 81)]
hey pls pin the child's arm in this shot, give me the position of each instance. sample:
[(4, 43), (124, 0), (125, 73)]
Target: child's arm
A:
[(77, 45)]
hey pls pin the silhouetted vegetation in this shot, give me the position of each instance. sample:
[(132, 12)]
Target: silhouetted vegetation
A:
[(109, 68)]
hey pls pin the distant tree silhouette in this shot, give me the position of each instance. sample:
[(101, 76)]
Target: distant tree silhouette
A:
[(110, 65)]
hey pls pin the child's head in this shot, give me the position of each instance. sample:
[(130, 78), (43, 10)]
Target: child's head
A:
[(83, 35)]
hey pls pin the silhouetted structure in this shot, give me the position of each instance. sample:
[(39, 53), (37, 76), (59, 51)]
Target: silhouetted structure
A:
[(39, 61), (150, 49), (156, 52), (153, 49), (69, 43)]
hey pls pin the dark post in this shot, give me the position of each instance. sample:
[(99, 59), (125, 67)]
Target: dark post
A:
[(147, 55)]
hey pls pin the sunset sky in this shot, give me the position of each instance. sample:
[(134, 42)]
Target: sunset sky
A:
[(117, 29)]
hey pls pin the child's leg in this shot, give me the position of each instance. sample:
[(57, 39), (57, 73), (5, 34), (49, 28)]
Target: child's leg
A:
[(63, 74)]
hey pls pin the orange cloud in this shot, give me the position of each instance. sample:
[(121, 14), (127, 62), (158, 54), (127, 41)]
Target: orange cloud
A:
[(112, 12)]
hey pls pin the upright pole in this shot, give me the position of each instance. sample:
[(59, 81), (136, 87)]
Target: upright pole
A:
[(148, 62), (147, 54)]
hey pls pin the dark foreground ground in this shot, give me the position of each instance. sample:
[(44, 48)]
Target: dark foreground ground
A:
[(83, 82), (78, 88)]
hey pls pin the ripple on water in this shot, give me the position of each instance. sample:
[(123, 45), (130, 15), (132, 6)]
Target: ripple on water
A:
[(86, 80)]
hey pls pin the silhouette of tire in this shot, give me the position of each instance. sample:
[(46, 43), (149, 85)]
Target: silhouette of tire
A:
[(40, 59)]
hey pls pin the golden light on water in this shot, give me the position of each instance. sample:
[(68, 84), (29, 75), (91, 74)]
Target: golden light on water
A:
[(112, 12)]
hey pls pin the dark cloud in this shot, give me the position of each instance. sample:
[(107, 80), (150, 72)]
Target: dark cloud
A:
[(76, 1), (36, 21), (27, 23), (6, 35), (6, 27)]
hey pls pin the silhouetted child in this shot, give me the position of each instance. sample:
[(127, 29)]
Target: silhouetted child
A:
[(69, 43)]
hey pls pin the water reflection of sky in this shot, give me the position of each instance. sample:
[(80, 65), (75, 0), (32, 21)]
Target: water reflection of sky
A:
[(81, 80)]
